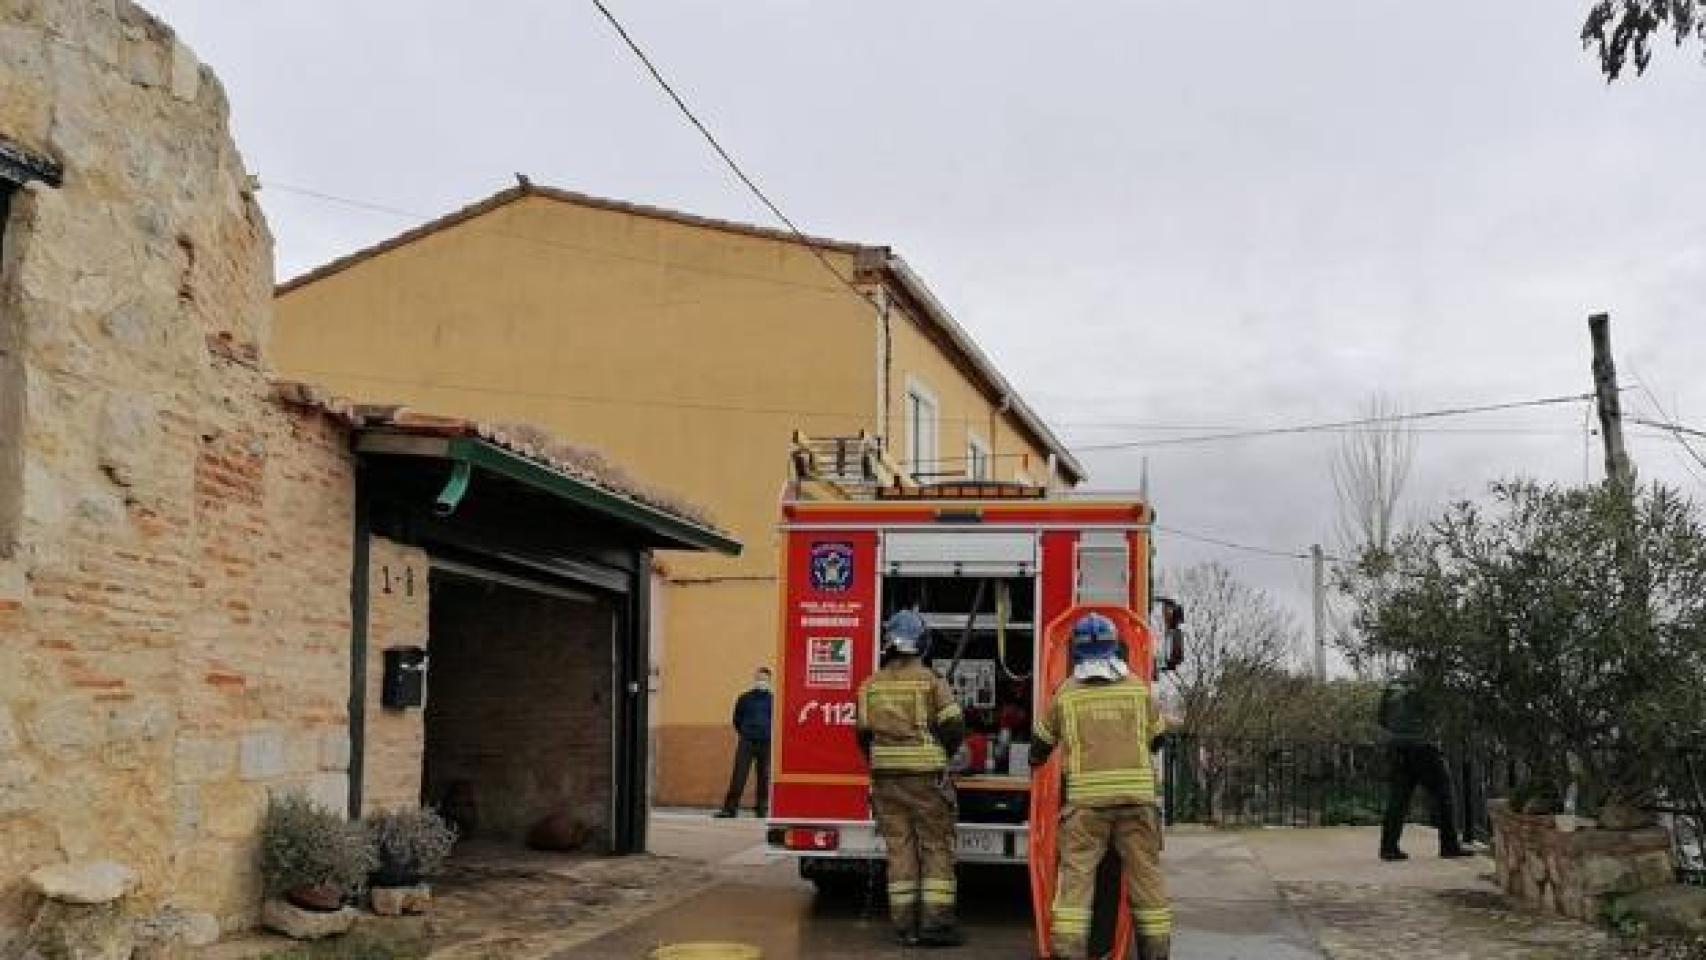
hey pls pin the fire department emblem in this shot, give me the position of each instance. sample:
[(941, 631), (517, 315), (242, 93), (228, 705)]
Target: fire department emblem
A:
[(832, 567)]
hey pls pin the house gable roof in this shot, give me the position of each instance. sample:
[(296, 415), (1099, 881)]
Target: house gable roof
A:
[(891, 269)]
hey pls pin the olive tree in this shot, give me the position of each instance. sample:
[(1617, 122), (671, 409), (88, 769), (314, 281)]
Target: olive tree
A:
[(1567, 623)]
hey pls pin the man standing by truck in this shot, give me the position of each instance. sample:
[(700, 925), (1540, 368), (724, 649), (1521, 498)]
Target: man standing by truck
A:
[(752, 730), (908, 724), (1106, 723)]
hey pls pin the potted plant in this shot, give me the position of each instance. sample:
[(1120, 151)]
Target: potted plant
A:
[(312, 857), (411, 845)]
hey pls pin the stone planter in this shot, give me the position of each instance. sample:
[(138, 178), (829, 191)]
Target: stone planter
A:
[(400, 901), (322, 898), (1573, 872)]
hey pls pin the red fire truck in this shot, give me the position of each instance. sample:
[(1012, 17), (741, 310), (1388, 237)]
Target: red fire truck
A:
[(998, 571)]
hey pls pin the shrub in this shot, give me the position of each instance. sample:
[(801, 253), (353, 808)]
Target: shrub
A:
[(1566, 625), (306, 845), (411, 844)]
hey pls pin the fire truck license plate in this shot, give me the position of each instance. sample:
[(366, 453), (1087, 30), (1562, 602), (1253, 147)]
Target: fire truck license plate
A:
[(985, 842)]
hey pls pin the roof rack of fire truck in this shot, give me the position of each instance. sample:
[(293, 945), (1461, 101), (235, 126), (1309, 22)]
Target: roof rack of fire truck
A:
[(859, 468)]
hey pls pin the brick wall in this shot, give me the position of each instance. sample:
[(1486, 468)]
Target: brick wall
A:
[(520, 705), (398, 604), (174, 620)]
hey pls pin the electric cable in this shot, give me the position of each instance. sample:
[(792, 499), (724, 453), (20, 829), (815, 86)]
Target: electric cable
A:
[(1336, 425), (751, 185)]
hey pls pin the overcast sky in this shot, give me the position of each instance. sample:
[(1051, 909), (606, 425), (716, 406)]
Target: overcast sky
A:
[(1196, 215)]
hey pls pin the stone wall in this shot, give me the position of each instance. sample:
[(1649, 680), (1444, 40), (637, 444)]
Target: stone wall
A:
[(174, 621), (1575, 872), (519, 707), (398, 598)]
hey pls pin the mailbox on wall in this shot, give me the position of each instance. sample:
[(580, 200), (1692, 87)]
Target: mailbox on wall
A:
[(404, 684)]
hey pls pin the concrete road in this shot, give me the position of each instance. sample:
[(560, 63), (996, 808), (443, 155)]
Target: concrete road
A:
[(1227, 907)]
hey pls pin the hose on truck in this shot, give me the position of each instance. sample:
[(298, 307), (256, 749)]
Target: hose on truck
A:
[(965, 635)]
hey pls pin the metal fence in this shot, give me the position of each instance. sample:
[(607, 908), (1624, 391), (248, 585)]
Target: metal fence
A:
[(1305, 783), (1317, 783)]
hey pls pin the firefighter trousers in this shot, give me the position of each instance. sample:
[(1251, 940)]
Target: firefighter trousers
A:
[(1134, 832), (915, 815)]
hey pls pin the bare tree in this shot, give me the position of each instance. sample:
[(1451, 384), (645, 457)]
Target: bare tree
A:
[(1370, 469), (1238, 635)]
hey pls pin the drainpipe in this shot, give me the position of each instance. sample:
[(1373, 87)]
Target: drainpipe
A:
[(885, 363), (455, 488), (358, 604), (995, 416)]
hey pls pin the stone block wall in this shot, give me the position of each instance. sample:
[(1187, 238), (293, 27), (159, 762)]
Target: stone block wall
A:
[(174, 611), (398, 604), (1574, 873)]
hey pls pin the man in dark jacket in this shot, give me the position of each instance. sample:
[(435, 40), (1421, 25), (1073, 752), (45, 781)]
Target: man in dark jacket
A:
[(1416, 760), (752, 726)]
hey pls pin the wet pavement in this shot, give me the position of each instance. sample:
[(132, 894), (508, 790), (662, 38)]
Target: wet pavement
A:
[(1226, 906), (1316, 894)]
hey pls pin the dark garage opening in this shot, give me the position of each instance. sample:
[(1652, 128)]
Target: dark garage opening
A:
[(519, 714)]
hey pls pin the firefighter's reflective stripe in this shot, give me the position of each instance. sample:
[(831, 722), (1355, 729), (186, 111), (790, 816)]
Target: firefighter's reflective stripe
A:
[(1126, 785), (1104, 731), (1041, 733), (1070, 922), (900, 707), (908, 759), (1153, 921), (938, 893)]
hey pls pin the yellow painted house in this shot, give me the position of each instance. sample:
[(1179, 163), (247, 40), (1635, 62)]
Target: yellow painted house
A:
[(689, 350)]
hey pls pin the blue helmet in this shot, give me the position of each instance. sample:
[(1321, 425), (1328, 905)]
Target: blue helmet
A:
[(905, 632), (1094, 637)]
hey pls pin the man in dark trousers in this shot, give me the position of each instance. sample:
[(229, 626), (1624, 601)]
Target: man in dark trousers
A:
[(752, 726), (1416, 759)]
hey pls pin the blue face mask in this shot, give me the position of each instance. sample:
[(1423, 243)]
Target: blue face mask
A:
[(762, 684)]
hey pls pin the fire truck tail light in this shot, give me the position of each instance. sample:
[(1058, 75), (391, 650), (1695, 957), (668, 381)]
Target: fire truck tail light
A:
[(810, 838)]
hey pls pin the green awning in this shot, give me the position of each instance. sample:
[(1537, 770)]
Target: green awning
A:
[(670, 530)]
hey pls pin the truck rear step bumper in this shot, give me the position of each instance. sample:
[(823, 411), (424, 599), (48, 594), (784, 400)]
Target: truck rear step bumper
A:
[(858, 840)]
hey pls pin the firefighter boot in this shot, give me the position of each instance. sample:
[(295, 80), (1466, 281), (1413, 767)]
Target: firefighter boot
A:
[(904, 915), (941, 934), (1154, 948)]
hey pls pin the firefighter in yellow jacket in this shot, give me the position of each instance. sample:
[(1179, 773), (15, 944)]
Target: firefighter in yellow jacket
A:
[(1105, 723), (908, 726)]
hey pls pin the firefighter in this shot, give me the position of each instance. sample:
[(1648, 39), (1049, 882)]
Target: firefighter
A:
[(908, 725), (1415, 759), (1106, 723)]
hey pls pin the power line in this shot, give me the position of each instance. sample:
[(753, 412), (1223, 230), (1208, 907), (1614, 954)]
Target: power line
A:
[(1335, 425), (1668, 428), (763, 198), (1676, 431), (1242, 547), (1457, 431)]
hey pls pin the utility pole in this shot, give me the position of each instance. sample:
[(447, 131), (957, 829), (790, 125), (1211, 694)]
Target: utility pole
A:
[(1617, 466), (1320, 563)]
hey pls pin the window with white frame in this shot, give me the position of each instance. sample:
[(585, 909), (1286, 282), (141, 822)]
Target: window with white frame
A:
[(977, 458), (921, 428)]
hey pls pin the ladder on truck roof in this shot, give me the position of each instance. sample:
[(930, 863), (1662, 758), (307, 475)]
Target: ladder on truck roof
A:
[(858, 468), (843, 468)]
